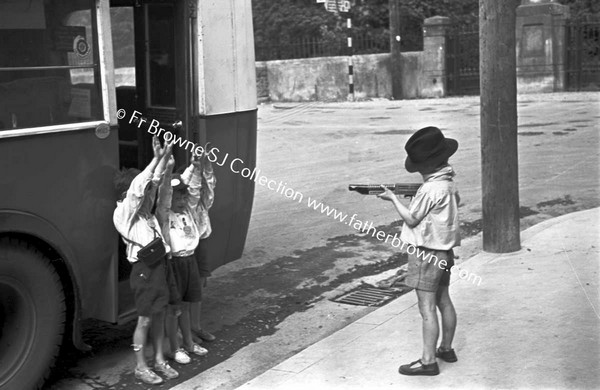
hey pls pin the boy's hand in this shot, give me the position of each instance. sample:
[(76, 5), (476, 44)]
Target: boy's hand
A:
[(156, 148), (160, 151), (197, 161), (168, 150), (171, 163), (207, 148), (387, 194)]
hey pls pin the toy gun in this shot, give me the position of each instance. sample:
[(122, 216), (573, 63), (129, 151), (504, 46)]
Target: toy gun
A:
[(408, 190)]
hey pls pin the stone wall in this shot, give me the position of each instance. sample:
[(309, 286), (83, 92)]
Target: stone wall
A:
[(326, 78)]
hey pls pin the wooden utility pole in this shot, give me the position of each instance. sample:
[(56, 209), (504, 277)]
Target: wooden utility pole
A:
[(395, 52), (499, 158)]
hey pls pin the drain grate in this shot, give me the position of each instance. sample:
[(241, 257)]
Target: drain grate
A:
[(368, 296)]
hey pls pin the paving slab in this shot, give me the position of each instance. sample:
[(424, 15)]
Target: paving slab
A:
[(533, 322)]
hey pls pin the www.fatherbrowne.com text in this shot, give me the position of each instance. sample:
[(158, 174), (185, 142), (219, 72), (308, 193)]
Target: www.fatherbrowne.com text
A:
[(236, 165)]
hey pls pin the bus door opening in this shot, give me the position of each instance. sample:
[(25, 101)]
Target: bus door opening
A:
[(151, 63)]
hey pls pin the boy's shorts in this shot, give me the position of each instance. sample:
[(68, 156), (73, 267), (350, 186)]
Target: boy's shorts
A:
[(201, 254), (184, 271), (424, 269), (149, 286)]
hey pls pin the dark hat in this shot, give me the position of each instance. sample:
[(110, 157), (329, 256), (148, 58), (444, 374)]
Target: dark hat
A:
[(427, 149), (177, 183)]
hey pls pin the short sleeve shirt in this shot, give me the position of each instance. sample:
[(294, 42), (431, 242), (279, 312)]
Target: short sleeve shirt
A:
[(435, 205)]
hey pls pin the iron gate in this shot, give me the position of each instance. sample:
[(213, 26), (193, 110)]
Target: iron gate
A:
[(462, 62), (583, 55)]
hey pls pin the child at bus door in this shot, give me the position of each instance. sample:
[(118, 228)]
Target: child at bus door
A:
[(181, 224), (135, 222), (207, 197)]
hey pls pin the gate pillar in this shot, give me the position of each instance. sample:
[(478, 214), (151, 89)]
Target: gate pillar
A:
[(433, 82), (541, 51)]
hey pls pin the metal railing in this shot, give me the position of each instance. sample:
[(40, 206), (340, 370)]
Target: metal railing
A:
[(582, 71), (316, 46)]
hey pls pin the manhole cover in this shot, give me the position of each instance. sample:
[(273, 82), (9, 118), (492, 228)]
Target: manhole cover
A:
[(368, 296)]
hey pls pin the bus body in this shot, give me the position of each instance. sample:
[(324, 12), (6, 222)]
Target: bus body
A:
[(80, 80)]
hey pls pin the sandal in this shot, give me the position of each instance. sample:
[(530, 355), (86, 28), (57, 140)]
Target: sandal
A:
[(204, 335), (148, 376), (181, 356), (166, 370), (198, 350), (421, 369), (447, 356)]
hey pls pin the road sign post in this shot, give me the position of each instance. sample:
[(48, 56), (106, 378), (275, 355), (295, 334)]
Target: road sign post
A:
[(395, 50), (337, 6)]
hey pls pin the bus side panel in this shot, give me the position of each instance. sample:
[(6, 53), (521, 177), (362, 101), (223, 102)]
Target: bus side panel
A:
[(226, 68), (226, 98), (235, 136), (66, 178)]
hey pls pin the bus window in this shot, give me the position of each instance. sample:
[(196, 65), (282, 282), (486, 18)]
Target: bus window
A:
[(123, 40), (49, 68)]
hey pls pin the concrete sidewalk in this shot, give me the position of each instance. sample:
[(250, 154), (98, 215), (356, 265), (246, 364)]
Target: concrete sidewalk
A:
[(532, 323)]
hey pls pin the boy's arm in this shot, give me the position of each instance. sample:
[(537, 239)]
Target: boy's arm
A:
[(420, 205), (194, 182), (161, 155), (128, 208), (165, 194), (186, 176), (137, 196), (209, 181)]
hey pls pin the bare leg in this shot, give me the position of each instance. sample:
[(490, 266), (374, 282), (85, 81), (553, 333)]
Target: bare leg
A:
[(446, 307), (171, 326), (185, 325), (427, 307), (158, 336), (195, 308), (140, 336)]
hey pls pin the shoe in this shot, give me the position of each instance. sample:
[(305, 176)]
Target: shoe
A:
[(181, 356), (148, 376), (447, 356), (166, 370), (420, 369), (204, 335), (198, 350)]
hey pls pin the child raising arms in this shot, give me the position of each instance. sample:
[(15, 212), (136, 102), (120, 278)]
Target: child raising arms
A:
[(135, 222), (176, 211)]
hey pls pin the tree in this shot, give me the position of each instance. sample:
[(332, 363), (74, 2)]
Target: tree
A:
[(279, 24)]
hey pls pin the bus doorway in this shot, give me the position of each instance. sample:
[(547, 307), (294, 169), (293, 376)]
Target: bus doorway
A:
[(151, 49), (187, 66)]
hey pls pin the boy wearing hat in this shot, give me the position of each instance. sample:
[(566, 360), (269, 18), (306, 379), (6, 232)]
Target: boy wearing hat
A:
[(431, 225), (181, 225)]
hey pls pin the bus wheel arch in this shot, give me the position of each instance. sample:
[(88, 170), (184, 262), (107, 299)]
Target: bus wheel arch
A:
[(35, 290)]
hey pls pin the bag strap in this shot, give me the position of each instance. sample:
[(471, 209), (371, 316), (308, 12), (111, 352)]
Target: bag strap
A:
[(137, 243)]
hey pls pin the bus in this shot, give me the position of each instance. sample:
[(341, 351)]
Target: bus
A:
[(77, 80)]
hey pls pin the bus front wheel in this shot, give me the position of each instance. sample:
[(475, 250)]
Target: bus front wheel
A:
[(32, 315)]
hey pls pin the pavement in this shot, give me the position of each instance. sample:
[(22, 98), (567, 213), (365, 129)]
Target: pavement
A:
[(533, 322)]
